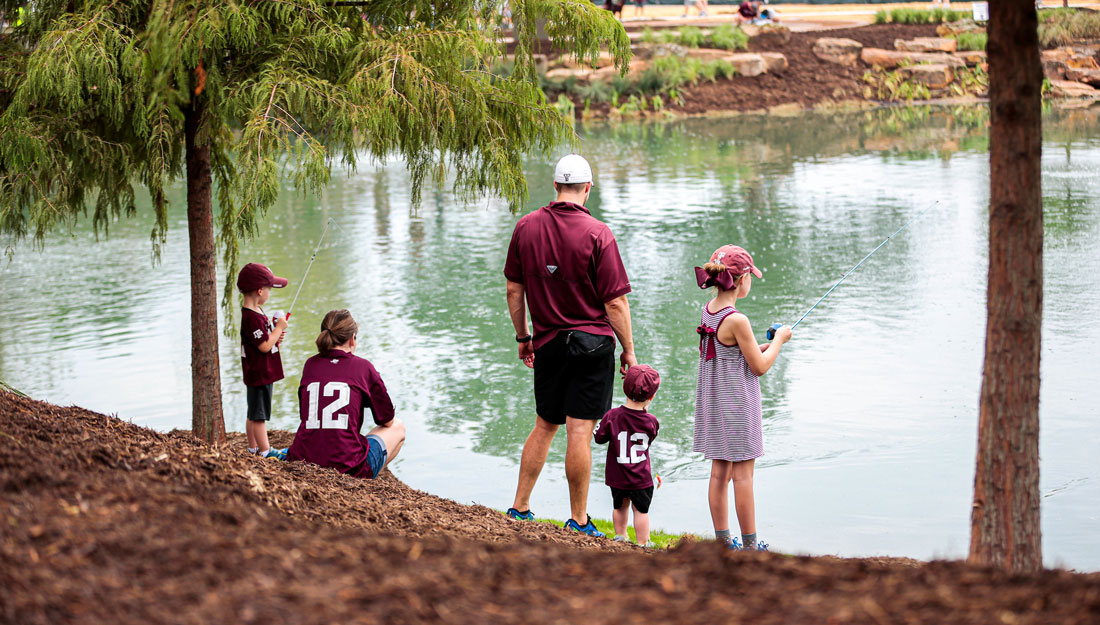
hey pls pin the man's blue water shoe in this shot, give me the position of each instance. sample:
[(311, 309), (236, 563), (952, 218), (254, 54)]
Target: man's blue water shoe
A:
[(526, 515), (588, 528)]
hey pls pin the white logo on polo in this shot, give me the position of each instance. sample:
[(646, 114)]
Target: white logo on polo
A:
[(335, 361), (258, 333), (551, 268)]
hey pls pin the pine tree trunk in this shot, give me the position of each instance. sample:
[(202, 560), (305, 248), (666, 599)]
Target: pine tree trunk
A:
[(1004, 529), (207, 422)]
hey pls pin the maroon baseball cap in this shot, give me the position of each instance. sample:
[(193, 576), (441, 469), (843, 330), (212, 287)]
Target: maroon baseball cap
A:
[(641, 382), (736, 259), (255, 276)]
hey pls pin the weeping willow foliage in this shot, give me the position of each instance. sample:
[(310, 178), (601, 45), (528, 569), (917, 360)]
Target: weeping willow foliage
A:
[(93, 96)]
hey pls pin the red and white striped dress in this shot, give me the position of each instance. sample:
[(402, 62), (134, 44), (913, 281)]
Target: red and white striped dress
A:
[(728, 412)]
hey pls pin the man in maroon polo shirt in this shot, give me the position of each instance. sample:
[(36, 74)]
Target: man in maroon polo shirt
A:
[(564, 265)]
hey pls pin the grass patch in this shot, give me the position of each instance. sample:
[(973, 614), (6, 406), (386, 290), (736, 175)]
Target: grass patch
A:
[(663, 540), (920, 16), (729, 37), (971, 41), (1059, 27)]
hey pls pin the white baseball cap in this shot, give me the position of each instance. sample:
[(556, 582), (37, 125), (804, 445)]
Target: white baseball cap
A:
[(572, 169)]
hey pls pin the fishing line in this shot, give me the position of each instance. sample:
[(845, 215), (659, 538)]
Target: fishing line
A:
[(776, 326), (310, 265)]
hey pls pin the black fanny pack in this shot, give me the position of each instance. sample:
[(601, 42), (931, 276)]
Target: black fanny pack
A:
[(587, 345)]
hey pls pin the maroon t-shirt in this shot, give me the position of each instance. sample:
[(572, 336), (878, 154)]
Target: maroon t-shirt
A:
[(569, 265), (630, 433), (336, 390), (260, 368)]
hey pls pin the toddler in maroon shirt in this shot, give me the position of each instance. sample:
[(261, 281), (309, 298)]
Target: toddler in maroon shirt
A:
[(260, 360), (630, 430)]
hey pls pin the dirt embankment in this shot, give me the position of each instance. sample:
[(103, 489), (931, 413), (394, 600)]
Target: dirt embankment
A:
[(105, 522), (807, 82)]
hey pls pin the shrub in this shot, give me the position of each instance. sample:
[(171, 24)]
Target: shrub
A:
[(1059, 27), (881, 17), (971, 41), (648, 36), (921, 16), (691, 37), (729, 37)]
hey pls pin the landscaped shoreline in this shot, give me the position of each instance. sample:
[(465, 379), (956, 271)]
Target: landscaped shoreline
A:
[(105, 521)]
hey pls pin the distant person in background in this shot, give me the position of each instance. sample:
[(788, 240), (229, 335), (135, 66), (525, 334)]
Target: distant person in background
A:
[(746, 12), (639, 8), (616, 8), (699, 5), (336, 390), (766, 12)]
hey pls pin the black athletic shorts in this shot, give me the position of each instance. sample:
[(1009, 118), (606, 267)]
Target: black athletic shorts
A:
[(259, 402), (641, 498), (568, 383)]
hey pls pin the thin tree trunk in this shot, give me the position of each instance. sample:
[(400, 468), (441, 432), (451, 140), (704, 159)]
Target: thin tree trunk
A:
[(1004, 529), (207, 422)]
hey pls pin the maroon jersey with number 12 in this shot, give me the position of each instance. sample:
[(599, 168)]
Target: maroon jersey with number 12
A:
[(629, 432), (336, 390)]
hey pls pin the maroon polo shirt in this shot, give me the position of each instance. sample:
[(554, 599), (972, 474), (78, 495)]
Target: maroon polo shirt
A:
[(336, 390), (569, 265), (630, 433), (260, 368)]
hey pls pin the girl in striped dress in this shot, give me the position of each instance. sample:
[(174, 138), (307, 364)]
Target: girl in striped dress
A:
[(728, 425)]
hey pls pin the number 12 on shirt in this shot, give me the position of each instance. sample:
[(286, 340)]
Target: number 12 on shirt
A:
[(328, 420), (636, 453)]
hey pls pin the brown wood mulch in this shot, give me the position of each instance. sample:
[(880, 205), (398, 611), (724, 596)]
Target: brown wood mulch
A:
[(102, 521)]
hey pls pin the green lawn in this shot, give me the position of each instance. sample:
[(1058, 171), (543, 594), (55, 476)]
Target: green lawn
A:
[(663, 540)]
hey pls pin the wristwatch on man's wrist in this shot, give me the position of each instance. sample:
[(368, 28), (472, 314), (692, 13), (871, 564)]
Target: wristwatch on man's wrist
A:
[(523, 339)]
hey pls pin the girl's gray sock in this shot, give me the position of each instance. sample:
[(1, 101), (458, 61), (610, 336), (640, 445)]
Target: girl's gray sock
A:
[(722, 535), (749, 540)]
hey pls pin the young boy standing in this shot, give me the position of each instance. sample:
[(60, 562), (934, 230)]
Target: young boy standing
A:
[(630, 430), (260, 359)]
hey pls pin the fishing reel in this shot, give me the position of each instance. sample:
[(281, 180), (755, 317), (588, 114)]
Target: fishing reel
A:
[(771, 331)]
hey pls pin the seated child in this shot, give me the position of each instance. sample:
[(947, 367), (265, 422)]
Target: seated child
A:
[(630, 430)]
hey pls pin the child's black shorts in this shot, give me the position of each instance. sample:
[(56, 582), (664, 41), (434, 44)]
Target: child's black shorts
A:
[(259, 402), (641, 498)]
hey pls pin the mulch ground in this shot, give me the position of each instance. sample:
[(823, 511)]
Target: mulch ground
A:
[(808, 82), (102, 521)]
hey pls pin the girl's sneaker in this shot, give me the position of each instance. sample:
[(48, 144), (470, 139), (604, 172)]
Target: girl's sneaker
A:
[(734, 543), (278, 454), (761, 545), (621, 539)]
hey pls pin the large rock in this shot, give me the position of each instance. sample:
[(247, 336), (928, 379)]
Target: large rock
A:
[(889, 59), (934, 76), (604, 60), (774, 61), (748, 63), (1054, 70), (1087, 76), (954, 28), (839, 51), (656, 50), (927, 44), (972, 57), (767, 34), (1070, 89), (1080, 58)]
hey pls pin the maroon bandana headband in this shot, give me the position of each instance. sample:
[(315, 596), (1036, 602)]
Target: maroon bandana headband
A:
[(724, 280)]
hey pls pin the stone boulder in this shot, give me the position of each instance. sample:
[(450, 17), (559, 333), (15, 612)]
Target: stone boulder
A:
[(604, 60), (767, 34), (1087, 76), (774, 61), (954, 28), (972, 57), (1079, 58), (1070, 89), (839, 51), (656, 50), (926, 44), (932, 76), (1054, 70), (889, 59), (748, 63)]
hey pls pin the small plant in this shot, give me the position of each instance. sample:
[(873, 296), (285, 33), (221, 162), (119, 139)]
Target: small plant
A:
[(971, 41), (881, 17), (1059, 27), (667, 36), (565, 106), (648, 36), (657, 103), (691, 37), (893, 86), (1048, 87), (729, 37)]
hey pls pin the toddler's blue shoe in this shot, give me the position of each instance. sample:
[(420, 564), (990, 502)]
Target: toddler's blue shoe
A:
[(588, 528), (278, 454), (526, 515)]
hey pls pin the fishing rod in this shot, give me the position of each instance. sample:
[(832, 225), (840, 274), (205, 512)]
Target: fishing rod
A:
[(775, 326), (310, 265)]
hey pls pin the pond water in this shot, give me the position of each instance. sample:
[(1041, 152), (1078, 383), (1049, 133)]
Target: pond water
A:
[(870, 415)]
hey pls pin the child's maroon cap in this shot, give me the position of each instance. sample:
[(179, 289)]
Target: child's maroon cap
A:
[(736, 259), (641, 382), (255, 276)]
